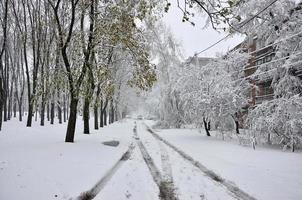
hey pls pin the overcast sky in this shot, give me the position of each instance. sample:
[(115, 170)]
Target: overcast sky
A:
[(195, 38)]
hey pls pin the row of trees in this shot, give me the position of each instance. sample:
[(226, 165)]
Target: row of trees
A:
[(58, 54), (213, 93)]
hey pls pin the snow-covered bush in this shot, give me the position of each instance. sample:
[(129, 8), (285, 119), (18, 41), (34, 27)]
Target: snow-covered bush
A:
[(281, 120)]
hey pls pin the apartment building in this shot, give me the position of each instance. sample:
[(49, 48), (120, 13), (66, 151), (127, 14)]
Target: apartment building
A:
[(261, 90)]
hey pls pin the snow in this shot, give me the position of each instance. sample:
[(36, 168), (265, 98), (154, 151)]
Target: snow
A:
[(190, 183), (263, 173), (35, 163), (132, 181)]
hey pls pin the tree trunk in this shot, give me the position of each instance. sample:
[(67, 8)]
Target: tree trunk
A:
[(52, 112), (47, 111), (105, 117), (67, 109), (59, 112), (269, 142), (30, 114), (20, 111), (36, 113), (1, 111), (72, 120), (10, 99), (111, 116), (15, 109), (101, 115), (64, 108), (96, 116), (237, 127), (205, 123), (236, 120), (42, 112), (116, 116), (5, 107), (1, 101), (86, 115), (209, 126)]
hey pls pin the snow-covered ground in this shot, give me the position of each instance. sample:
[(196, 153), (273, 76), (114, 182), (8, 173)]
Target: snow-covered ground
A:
[(36, 164), (264, 173), (188, 181)]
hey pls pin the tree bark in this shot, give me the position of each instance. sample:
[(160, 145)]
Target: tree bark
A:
[(42, 113), (101, 115), (20, 111), (205, 124), (52, 112), (72, 120), (59, 112), (47, 111), (237, 127), (86, 115), (1, 102), (105, 117), (236, 123), (96, 116), (64, 108)]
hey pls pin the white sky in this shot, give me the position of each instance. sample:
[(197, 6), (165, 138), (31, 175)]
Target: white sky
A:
[(195, 38)]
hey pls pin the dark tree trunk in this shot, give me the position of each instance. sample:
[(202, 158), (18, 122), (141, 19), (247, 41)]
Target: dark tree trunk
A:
[(10, 99), (116, 115), (237, 127), (47, 111), (52, 112), (1, 101), (67, 109), (96, 116), (1, 111), (20, 111), (205, 123), (30, 114), (5, 107), (42, 112), (209, 126), (101, 115), (86, 115), (105, 117), (59, 112), (64, 108), (72, 120), (235, 117), (111, 116), (15, 109)]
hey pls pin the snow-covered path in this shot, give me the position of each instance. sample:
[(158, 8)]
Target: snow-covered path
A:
[(35, 164), (189, 181), (173, 176)]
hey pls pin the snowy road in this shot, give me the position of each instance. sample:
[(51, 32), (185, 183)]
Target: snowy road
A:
[(157, 171), (162, 165)]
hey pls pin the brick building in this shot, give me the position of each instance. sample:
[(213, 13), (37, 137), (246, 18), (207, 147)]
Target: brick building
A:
[(260, 54)]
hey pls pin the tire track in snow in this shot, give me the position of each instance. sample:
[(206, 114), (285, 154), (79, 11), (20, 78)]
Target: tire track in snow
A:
[(164, 183), (166, 165), (235, 190), (90, 194)]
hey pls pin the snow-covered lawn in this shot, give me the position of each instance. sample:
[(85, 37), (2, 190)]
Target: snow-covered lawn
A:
[(36, 164), (264, 173)]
